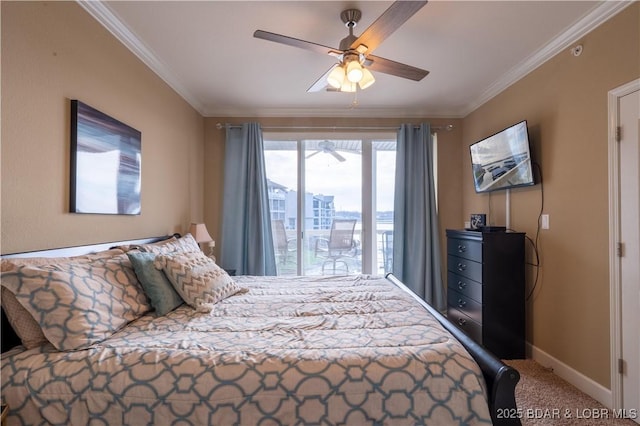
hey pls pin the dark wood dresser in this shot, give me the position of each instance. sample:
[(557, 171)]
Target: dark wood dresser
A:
[(485, 290)]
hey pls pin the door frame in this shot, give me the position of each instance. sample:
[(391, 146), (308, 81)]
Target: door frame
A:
[(368, 185), (615, 284)]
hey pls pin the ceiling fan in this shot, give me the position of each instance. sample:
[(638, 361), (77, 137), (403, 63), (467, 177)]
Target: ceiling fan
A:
[(354, 55), (328, 147)]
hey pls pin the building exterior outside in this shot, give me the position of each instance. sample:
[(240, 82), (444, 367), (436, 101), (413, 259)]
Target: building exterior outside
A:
[(319, 209)]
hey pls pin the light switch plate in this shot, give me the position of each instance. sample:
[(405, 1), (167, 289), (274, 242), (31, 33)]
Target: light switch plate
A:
[(544, 221)]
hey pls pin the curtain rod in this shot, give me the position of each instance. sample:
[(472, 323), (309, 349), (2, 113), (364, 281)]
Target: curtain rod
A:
[(446, 127)]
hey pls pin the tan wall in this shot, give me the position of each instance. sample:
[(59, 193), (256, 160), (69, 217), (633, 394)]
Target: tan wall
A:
[(51, 53), (449, 174), (565, 102)]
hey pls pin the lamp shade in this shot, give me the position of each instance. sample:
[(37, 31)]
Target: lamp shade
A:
[(348, 86), (336, 77), (354, 72), (367, 79), (200, 233)]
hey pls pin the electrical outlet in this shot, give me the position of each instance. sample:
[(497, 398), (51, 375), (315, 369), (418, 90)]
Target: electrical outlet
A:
[(544, 219)]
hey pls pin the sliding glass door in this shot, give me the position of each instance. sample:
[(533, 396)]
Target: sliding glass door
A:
[(332, 206), (331, 199)]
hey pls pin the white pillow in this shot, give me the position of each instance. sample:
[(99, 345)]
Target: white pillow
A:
[(197, 279)]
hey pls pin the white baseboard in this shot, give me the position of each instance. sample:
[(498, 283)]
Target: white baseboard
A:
[(577, 379)]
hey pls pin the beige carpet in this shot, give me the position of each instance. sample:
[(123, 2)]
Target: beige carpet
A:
[(543, 398)]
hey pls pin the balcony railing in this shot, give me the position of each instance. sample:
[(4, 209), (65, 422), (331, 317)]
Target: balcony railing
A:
[(316, 263)]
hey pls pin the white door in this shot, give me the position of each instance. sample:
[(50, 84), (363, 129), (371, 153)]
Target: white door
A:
[(629, 127)]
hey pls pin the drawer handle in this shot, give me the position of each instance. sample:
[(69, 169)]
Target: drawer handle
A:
[(462, 248), (462, 266), (462, 285), (461, 303), (462, 321)]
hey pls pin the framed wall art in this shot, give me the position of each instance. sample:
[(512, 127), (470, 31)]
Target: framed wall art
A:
[(105, 163), (478, 221)]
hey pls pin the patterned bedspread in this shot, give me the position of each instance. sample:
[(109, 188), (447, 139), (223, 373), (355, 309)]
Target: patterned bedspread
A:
[(342, 350)]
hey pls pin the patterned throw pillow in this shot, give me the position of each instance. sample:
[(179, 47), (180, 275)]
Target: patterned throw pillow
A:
[(155, 283), (117, 270), (11, 263), (186, 244), (199, 281), (79, 304), (25, 326)]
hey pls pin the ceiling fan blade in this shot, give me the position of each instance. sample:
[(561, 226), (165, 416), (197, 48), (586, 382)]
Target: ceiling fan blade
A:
[(392, 18), (338, 156), (311, 155), (387, 66), (321, 83), (302, 44)]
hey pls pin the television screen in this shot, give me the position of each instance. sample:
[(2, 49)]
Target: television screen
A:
[(502, 160)]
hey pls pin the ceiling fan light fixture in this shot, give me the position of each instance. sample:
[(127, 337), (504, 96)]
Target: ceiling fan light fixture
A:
[(354, 72), (354, 52), (348, 86), (336, 77), (367, 79)]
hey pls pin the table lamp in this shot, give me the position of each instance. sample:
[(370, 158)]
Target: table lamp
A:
[(201, 235)]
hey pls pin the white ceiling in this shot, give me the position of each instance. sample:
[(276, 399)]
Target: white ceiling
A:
[(206, 51)]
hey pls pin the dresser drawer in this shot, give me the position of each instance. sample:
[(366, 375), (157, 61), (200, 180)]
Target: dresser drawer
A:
[(465, 286), (465, 267), (466, 324), (486, 288), (466, 305), (467, 249)]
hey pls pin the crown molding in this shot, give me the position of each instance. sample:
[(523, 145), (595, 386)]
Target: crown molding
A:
[(601, 13), (351, 112), (105, 16), (586, 24)]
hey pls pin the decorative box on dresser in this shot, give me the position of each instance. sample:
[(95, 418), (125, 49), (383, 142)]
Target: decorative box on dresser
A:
[(485, 291)]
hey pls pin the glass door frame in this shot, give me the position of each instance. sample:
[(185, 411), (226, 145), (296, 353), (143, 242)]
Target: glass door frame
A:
[(368, 234)]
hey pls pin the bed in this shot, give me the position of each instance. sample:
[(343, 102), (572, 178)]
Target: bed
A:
[(259, 350)]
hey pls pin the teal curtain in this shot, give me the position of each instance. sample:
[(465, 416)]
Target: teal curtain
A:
[(416, 237), (247, 241)]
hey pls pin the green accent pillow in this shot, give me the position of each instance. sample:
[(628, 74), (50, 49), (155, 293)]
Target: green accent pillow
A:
[(163, 296)]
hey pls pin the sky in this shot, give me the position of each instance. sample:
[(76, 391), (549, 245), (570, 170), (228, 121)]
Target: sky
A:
[(328, 176)]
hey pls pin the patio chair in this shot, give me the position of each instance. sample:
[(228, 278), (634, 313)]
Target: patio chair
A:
[(282, 244), (339, 246)]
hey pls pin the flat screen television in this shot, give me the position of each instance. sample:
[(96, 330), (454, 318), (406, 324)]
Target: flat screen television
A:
[(502, 160)]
